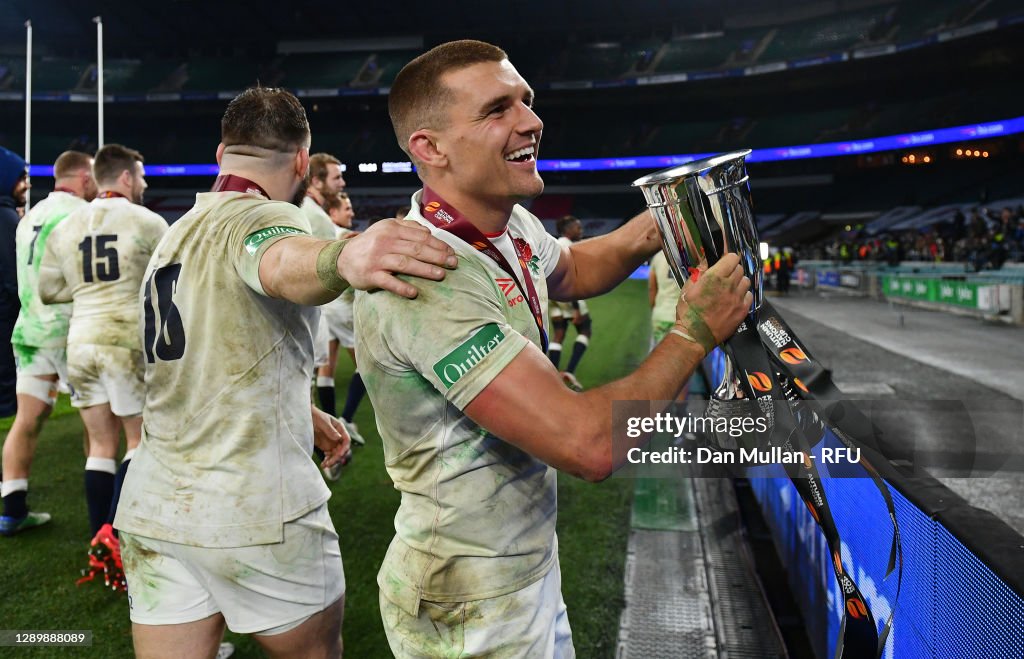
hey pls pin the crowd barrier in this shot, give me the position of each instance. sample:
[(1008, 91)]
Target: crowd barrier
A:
[(943, 286)]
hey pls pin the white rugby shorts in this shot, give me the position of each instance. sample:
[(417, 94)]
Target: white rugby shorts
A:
[(262, 589), (531, 622), (107, 374)]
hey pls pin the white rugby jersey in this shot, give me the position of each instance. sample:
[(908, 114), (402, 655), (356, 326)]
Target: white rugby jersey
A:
[(96, 258), (41, 325), (225, 455), (319, 221), (477, 516), (667, 297)]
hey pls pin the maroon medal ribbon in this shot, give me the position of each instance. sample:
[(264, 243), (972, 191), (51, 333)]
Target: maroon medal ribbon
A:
[(445, 217), (110, 194), (232, 183)]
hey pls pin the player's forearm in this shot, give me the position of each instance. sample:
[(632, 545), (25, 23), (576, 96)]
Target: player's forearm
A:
[(288, 270), (659, 378), (601, 263)]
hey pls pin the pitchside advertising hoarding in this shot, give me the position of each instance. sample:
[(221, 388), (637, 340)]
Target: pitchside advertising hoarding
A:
[(967, 294), (948, 603), (828, 278)]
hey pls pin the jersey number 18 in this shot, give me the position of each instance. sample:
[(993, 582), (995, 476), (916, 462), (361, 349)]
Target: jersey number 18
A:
[(169, 343)]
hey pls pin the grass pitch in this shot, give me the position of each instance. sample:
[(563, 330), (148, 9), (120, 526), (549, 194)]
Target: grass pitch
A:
[(39, 569)]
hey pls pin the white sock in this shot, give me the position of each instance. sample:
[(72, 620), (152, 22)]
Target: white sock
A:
[(108, 465), (14, 485)]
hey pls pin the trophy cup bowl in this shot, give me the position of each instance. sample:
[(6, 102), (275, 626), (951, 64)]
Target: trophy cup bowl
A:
[(703, 210)]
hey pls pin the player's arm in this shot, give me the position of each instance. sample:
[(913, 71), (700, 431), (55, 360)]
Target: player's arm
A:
[(300, 268), (573, 431), (54, 287), (595, 266)]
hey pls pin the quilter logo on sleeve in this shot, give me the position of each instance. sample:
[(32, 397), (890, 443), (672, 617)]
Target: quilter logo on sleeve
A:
[(458, 362), (508, 287), (253, 241)]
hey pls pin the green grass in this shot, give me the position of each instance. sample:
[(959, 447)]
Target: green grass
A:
[(38, 589)]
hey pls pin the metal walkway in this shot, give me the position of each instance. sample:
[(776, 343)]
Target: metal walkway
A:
[(690, 588)]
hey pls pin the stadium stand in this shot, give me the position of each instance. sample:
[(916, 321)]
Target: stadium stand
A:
[(820, 36), (219, 74), (318, 70), (692, 53)]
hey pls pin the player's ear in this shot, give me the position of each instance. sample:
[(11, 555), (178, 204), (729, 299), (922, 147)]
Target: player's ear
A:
[(220, 153), (302, 162), (425, 147)]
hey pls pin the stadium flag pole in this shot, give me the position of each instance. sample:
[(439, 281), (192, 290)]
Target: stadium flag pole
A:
[(98, 20), (28, 104)]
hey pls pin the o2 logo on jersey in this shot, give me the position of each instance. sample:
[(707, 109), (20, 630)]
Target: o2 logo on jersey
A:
[(508, 287)]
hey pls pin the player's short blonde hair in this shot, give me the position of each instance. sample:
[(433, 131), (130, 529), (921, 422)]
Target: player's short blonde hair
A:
[(418, 99), (71, 162)]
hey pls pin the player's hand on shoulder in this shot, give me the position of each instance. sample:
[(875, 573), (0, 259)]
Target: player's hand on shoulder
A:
[(373, 258), (330, 436), (720, 298)]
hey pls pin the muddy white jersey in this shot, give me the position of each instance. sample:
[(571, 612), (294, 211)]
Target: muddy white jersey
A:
[(41, 325), (96, 258), (477, 516), (225, 455)]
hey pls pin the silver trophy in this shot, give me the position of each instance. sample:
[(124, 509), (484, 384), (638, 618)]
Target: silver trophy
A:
[(703, 210)]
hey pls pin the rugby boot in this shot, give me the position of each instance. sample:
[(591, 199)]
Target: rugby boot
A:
[(353, 433), (105, 551), (570, 381), (11, 525)]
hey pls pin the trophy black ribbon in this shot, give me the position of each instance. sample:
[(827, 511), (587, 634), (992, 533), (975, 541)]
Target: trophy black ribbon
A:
[(703, 210)]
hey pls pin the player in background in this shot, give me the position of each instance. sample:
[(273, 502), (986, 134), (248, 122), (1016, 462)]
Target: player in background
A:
[(40, 337), (570, 230), (324, 182), (340, 324), (96, 259), (14, 187)]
